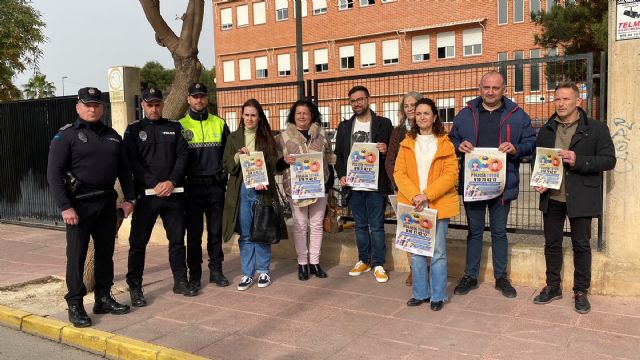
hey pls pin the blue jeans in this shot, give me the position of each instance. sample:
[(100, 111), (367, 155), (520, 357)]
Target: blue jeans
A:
[(498, 214), (254, 257), (368, 208), (436, 286)]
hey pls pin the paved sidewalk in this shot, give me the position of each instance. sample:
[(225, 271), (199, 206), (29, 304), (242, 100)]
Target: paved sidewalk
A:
[(340, 317)]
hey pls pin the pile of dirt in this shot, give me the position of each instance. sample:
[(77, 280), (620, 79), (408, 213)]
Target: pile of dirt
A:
[(44, 296)]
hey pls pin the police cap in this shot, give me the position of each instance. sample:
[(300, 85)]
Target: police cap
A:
[(197, 89), (90, 95), (151, 95)]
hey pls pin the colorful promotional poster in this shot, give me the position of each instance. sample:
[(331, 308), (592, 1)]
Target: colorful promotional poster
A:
[(485, 171), (363, 167), (307, 176), (254, 169), (416, 231), (547, 171)]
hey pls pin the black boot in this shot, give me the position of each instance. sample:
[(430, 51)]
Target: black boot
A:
[(303, 272), (78, 316), (105, 304), (137, 297), (218, 278), (316, 270), (185, 288)]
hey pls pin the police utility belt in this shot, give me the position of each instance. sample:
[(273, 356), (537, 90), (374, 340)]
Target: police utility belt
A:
[(77, 192)]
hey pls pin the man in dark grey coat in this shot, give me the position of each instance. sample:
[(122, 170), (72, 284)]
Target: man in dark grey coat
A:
[(587, 151)]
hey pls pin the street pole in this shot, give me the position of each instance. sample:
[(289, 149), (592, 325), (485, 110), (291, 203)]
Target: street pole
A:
[(298, 12), (64, 77)]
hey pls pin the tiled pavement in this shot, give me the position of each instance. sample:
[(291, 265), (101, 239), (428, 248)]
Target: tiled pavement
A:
[(340, 317)]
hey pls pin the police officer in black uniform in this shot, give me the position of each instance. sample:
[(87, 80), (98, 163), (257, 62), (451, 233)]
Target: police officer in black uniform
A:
[(157, 152), (89, 155)]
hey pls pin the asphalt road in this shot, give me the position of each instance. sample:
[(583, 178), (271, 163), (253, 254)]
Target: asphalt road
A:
[(16, 345)]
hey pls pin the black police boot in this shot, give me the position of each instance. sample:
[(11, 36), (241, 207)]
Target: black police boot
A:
[(218, 278), (106, 304), (185, 288), (316, 270), (78, 316), (137, 297)]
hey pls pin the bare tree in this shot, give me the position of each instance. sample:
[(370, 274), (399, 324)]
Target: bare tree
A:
[(183, 48)]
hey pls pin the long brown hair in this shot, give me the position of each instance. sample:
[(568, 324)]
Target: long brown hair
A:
[(264, 140), (438, 126)]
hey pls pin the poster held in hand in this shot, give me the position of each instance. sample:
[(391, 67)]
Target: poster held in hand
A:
[(363, 167), (485, 172), (254, 169)]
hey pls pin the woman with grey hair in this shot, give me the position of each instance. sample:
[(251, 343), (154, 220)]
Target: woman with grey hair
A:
[(406, 118)]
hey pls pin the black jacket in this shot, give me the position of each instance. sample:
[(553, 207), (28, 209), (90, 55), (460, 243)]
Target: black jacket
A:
[(380, 133), (595, 153), (157, 152), (94, 157)]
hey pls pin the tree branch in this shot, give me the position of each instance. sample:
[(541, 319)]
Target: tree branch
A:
[(197, 23), (163, 32)]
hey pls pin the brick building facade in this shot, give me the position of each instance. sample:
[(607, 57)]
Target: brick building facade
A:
[(255, 44)]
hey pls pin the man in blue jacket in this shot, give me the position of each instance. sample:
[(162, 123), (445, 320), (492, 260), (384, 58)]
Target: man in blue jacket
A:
[(492, 121)]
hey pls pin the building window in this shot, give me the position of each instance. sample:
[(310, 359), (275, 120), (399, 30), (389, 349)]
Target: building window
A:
[(503, 56), (303, 5), (518, 72), (518, 11), (446, 43), (347, 59), (503, 12), (229, 71), (345, 4), (266, 115), (367, 2), (368, 55), (282, 10), (446, 109), (231, 120), (226, 19), (284, 65), (390, 111), (551, 69), (321, 58), (345, 112), (420, 48), (244, 67), (325, 111), (261, 67), (242, 13), (305, 62), (319, 7), (465, 100), (472, 42), (550, 5), (534, 5), (534, 71), (282, 115), (390, 52), (259, 13)]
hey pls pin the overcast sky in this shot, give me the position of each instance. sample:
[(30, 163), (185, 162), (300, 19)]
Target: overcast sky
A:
[(86, 37)]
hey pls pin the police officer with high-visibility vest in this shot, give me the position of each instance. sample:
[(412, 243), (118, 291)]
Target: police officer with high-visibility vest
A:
[(85, 158), (206, 182), (157, 152)]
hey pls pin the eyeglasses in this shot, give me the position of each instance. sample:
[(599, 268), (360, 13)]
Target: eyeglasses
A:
[(358, 100)]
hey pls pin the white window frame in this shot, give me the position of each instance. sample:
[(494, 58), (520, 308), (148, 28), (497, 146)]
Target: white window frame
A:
[(226, 18), (443, 40), (472, 41), (262, 66), (533, 68), (305, 62), (242, 15), (466, 99), (390, 111), (504, 3), (229, 71), (516, 13), (284, 64), (347, 53), (282, 10), (390, 52), (259, 13), (319, 7), (345, 112), (503, 69), (345, 4), (282, 117), (304, 8), (318, 56), (365, 3), (244, 69), (231, 120), (551, 4), (538, 4), (446, 104), (325, 111), (420, 44), (368, 55), (518, 55)]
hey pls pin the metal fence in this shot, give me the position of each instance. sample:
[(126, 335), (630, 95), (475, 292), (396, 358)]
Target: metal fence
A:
[(26, 129)]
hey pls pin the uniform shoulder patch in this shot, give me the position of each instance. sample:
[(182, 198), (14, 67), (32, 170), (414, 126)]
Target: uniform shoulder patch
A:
[(65, 127)]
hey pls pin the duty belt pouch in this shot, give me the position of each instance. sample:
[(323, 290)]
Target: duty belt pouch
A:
[(265, 228)]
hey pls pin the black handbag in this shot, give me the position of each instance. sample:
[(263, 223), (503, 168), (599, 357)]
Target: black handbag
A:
[(267, 219)]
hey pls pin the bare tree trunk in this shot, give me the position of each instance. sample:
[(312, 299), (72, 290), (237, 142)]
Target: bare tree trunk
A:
[(187, 69)]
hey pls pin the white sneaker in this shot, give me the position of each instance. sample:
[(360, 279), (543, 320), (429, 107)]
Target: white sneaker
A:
[(380, 274), (359, 268), (245, 283), (264, 280)]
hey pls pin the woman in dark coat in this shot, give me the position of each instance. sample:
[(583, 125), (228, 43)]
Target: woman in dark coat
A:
[(253, 134)]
